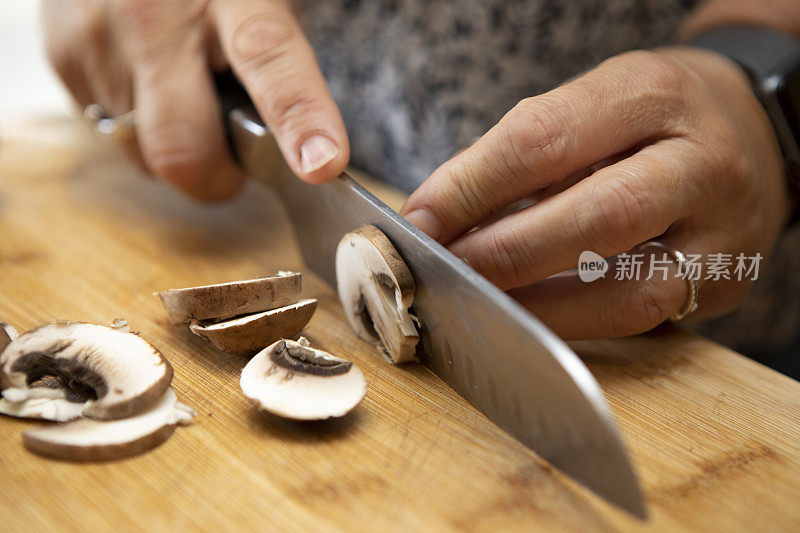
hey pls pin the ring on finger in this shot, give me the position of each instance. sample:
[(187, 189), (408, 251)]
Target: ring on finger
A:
[(690, 305), (118, 129)]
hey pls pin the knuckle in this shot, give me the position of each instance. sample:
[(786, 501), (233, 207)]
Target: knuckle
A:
[(175, 155), (728, 148), (662, 85), (469, 194), (260, 39), (95, 27), (621, 213), (650, 306), (508, 259), (140, 16), (536, 136), (286, 107), (640, 309), (655, 69)]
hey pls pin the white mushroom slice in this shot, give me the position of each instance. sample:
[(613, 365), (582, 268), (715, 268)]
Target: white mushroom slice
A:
[(293, 380), (94, 440), (225, 300), (245, 335), (376, 289), (63, 370)]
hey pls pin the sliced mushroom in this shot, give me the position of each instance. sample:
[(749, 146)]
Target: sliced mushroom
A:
[(293, 380), (225, 300), (94, 440), (376, 289), (245, 335), (64, 370), (7, 334)]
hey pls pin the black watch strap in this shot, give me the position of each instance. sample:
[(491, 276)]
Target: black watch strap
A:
[(768, 56)]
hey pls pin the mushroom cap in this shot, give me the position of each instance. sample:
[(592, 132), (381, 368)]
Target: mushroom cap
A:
[(292, 380), (376, 289), (225, 300), (245, 335), (94, 440), (62, 370)]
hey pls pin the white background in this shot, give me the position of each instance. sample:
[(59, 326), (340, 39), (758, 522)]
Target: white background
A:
[(28, 86)]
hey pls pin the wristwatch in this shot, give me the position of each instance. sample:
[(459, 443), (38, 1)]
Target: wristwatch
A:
[(772, 61)]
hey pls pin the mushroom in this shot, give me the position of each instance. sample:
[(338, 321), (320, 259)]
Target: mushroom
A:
[(94, 440), (225, 300), (245, 335), (376, 289), (65, 370), (293, 380), (7, 334)]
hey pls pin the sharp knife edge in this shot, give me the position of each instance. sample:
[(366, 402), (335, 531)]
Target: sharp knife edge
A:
[(538, 390)]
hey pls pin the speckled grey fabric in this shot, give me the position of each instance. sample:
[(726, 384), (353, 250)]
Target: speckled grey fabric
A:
[(418, 79)]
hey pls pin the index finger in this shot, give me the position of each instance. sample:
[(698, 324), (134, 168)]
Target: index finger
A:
[(546, 139), (270, 55)]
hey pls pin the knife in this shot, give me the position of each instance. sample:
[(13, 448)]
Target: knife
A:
[(476, 338)]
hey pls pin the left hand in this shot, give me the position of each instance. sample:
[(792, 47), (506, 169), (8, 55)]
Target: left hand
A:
[(678, 149)]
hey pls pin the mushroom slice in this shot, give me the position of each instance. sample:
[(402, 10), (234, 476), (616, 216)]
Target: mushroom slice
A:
[(376, 289), (226, 300), (7, 334), (64, 370), (293, 380), (95, 440), (245, 335)]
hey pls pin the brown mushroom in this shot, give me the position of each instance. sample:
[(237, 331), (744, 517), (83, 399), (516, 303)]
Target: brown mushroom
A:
[(7, 334), (245, 335), (376, 290), (225, 300), (94, 440), (293, 380), (65, 370)]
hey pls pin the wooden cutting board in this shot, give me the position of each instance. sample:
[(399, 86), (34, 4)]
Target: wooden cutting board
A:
[(85, 236)]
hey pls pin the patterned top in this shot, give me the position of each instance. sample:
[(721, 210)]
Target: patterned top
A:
[(416, 80)]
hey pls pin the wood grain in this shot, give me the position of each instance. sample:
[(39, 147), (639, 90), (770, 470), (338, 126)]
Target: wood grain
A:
[(84, 236)]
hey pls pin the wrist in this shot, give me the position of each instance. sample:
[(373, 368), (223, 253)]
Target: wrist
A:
[(726, 89), (771, 60)]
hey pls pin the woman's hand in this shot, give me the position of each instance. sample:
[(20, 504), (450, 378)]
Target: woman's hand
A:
[(158, 58), (677, 148)]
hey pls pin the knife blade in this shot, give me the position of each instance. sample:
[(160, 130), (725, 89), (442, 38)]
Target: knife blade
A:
[(476, 338)]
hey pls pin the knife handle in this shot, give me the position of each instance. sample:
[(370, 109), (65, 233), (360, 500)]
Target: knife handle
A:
[(231, 93), (233, 97)]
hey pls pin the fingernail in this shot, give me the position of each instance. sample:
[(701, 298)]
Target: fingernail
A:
[(317, 152), (426, 221)]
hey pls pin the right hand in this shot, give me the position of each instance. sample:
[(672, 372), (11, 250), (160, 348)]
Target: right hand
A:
[(158, 57)]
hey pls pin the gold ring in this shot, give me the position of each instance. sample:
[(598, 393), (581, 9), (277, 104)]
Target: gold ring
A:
[(119, 129), (683, 266)]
